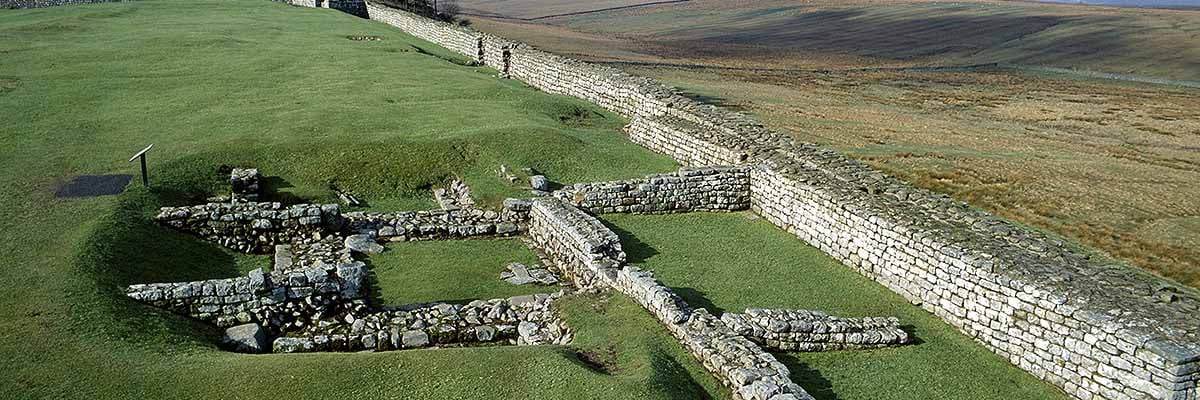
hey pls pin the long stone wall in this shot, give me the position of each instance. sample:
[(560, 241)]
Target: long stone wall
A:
[(1095, 329), (689, 189)]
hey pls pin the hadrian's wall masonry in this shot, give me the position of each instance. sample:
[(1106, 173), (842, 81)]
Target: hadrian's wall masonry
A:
[(1090, 327)]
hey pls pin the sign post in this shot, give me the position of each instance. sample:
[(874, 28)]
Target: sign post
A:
[(142, 155)]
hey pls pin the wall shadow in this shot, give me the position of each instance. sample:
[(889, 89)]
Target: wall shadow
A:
[(698, 299), (810, 379), (636, 250)]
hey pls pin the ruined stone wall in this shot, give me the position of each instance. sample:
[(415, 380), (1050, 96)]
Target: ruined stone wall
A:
[(1093, 328), (689, 189), (21, 4), (582, 247), (252, 227), (590, 254), (441, 224), (322, 267)]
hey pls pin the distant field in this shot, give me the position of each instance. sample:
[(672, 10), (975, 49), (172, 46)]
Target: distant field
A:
[(533, 10), (1160, 43), (1109, 164)]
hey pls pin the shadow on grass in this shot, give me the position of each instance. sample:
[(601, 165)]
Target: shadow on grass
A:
[(697, 299), (669, 373), (271, 191), (636, 250), (810, 379), (126, 248), (719, 101)]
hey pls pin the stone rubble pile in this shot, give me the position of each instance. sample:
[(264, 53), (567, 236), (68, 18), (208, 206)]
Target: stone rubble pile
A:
[(690, 189), (520, 274), (455, 196), (805, 330), (520, 320)]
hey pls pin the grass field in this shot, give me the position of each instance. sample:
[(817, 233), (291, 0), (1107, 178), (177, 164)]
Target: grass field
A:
[(454, 271), (1108, 164)]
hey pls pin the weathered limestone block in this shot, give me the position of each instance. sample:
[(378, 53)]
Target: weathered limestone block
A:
[(246, 338)]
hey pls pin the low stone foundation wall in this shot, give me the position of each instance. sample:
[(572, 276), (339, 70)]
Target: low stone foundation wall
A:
[(324, 269), (805, 330), (252, 227), (441, 224), (590, 253), (698, 189), (521, 320), (580, 245)]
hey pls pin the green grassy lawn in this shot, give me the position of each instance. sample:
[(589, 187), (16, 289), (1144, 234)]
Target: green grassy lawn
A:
[(728, 262), (258, 83), (454, 271)]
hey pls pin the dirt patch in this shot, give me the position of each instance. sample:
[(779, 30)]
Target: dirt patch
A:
[(579, 117), (93, 185), (602, 360)]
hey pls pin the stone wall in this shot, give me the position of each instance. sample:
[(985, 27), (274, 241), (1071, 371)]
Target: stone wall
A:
[(441, 224), (582, 247), (20, 4), (1078, 321), (352, 7), (521, 320), (252, 227), (689, 189), (323, 268), (590, 254), (806, 330), (461, 40)]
